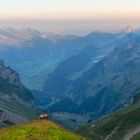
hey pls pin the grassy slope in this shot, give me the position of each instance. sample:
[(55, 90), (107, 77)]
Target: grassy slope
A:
[(66, 122), (18, 110), (136, 137), (124, 120), (38, 130)]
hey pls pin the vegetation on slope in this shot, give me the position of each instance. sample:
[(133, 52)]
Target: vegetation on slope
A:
[(38, 130), (16, 101), (10, 89), (17, 108), (136, 137), (114, 126), (16, 113)]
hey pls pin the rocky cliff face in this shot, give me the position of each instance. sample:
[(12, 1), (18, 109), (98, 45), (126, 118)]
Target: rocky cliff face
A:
[(11, 86), (16, 101), (6, 73), (3, 116)]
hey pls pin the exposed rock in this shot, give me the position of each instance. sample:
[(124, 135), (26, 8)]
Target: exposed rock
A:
[(16, 101), (3, 116), (7, 73)]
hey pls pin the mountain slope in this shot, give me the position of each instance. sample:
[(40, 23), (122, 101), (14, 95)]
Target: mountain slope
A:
[(118, 126), (33, 54), (105, 87), (15, 113), (42, 130), (11, 85), (112, 82), (70, 69), (73, 67), (16, 101)]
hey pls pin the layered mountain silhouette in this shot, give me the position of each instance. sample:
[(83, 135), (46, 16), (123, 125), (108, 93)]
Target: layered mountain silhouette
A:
[(95, 74), (104, 87)]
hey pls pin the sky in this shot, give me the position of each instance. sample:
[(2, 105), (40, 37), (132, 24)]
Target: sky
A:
[(70, 15)]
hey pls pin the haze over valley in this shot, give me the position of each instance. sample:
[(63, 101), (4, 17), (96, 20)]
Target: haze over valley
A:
[(70, 70)]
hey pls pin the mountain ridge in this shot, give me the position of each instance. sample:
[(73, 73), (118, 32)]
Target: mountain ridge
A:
[(16, 101)]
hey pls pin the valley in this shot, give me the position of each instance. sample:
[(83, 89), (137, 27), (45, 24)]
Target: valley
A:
[(88, 84), (69, 70)]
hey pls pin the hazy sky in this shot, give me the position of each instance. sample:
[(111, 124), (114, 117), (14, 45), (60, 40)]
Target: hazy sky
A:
[(61, 14)]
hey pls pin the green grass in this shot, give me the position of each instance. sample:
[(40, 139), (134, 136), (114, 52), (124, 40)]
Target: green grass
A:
[(136, 137), (124, 120), (38, 130)]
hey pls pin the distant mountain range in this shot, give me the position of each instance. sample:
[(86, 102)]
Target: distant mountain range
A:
[(75, 77), (92, 80), (35, 54), (79, 85)]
